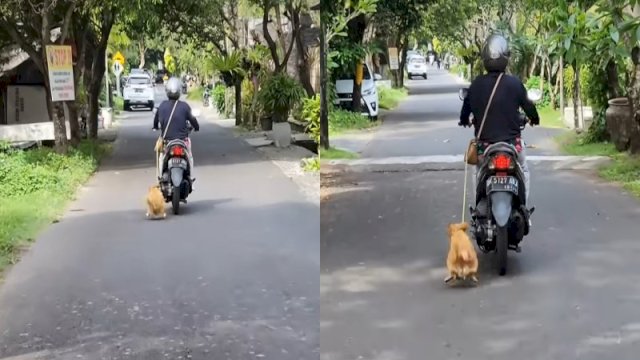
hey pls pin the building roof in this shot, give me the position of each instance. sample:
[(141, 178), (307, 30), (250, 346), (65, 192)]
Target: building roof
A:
[(10, 59)]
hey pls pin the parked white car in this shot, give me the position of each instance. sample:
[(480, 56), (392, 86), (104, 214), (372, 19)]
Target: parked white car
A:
[(139, 90), (370, 103), (417, 66)]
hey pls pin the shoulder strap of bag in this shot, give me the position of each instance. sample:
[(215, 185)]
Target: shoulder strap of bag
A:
[(170, 117), (486, 110)]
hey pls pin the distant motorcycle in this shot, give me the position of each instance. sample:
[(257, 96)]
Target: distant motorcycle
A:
[(206, 96)]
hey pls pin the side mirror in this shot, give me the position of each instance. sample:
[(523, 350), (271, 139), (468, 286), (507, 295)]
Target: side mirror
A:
[(196, 112), (377, 77), (462, 94), (535, 95)]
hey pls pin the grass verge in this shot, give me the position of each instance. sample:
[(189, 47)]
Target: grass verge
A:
[(550, 117), (118, 105), (389, 98), (343, 120), (37, 185), (335, 154), (196, 93), (623, 169)]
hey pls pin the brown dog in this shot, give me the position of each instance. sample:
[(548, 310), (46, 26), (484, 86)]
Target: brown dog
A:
[(462, 261), (155, 203)]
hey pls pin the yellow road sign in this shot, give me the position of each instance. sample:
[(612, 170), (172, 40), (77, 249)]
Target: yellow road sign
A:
[(119, 57)]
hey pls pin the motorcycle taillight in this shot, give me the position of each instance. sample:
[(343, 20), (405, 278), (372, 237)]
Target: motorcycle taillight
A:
[(501, 162), (177, 151)]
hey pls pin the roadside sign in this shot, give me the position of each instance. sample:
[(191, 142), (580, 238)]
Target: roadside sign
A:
[(117, 68), (393, 58), (118, 57), (60, 66)]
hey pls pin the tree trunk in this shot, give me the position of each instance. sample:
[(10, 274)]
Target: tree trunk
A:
[(238, 89), (74, 125), (634, 97), (142, 49), (304, 70), (542, 71), (403, 62), (356, 100), (55, 110), (576, 95), (552, 87), (613, 83), (94, 70)]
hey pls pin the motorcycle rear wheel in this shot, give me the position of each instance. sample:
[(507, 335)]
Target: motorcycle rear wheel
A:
[(175, 200), (502, 246)]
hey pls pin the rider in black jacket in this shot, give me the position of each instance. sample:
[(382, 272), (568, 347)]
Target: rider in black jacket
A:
[(503, 120)]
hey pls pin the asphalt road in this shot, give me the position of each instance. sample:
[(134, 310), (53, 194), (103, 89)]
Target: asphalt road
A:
[(426, 124), (571, 294), (233, 277)]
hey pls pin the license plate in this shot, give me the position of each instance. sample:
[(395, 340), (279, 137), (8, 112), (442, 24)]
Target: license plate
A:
[(178, 162), (502, 183)]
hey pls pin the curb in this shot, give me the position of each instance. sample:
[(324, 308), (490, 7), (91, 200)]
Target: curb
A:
[(455, 163)]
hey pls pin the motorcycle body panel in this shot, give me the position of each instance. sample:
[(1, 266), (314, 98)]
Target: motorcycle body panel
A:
[(500, 200), (176, 171)]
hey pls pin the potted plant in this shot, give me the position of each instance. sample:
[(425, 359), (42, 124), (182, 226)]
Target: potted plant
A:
[(278, 95)]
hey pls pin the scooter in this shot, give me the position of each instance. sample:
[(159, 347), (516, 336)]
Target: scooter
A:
[(175, 175), (501, 219), (206, 96)]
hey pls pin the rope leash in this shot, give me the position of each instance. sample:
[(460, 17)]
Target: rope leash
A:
[(464, 189)]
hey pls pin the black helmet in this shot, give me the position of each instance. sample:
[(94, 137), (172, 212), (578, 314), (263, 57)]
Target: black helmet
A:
[(173, 88), (496, 53)]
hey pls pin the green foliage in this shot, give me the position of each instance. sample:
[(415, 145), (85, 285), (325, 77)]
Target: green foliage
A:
[(26, 172), (169, 62), (218, 97), (279, 94), (247, 101), (343, 120), (196, 93), (311, 164), (36, 186), (389, 98), (229, 66), (334, 153), (534, 83), (311, 114), (337, 14)]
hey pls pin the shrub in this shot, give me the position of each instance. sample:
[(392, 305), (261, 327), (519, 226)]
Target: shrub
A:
[(311, 114), (218, 98), (389, 98), (26, 172), (35, 187), (340, 120), (279, 94)]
